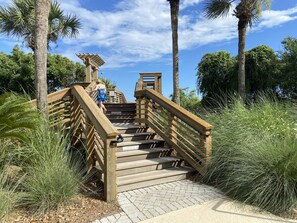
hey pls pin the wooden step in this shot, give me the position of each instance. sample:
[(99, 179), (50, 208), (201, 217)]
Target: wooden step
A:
[(142, 154), (121, 120), (140, 166), (118, 106), (140, 144), (150, 178), (138, 136), (121, 116), (128, 128)]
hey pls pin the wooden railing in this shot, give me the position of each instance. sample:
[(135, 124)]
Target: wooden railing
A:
[(59, 104), (187, 134), (100, 135), (150, 80), (75, 110)]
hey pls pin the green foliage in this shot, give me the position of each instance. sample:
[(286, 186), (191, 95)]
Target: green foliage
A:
[(189, 99), (53, 178), (262, 67), (62, 72), (17, 72), (18, 20), (16, 114), (216, 73), (8, 199), (255, 153), (288, 75), (108, 83)]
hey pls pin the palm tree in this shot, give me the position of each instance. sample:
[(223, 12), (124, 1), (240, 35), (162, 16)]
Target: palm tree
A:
[(42, 10), (246, 11), (19, 20), (38, 28), (174, 10)]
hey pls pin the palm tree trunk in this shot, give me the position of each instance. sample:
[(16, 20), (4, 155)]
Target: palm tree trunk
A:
[(42, 9), (242, 26), (174, 10)]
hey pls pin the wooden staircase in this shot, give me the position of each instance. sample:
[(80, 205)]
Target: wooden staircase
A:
[(143, 158)]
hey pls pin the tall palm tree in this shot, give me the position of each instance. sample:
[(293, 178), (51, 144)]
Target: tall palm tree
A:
[(42, 10), (38, 28), (246, 11), (174, 10), (18, 20)]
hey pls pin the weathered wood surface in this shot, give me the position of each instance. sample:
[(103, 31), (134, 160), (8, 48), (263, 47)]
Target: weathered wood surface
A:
[(186, 133)]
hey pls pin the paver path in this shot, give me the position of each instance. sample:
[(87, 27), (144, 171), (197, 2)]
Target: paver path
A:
[(145, 203)]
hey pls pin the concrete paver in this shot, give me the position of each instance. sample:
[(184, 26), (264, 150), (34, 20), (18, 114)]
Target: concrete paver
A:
[(145, 203)]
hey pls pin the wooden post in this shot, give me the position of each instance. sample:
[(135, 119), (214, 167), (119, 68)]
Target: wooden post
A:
[(208, 147), (110, 184), (95, 74), (88, 71)]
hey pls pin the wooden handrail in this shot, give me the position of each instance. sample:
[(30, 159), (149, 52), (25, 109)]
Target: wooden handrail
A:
[(100, 121), (192, 120), (55, 96)]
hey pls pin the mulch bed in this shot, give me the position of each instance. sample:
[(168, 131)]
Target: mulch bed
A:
[(84, 209)]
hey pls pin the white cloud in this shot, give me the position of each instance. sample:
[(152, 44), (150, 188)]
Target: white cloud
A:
[(275, 18)]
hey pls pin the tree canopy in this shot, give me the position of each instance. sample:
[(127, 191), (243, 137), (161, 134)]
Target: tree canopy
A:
[(266, 70), (17, 72)]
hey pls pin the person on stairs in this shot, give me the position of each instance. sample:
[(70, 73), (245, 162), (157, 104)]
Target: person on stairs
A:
[(101, 97)]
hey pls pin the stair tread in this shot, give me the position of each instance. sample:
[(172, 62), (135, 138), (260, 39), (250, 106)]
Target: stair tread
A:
[(141, 151), (126, 126), (151, 175), (146, 162), (137, 134), (139, 142)]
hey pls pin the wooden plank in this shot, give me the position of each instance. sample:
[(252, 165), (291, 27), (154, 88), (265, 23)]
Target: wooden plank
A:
[(189, 159), (195, 122)]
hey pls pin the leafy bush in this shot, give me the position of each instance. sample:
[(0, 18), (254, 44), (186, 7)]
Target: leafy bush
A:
[(53, 178), (255, 153)]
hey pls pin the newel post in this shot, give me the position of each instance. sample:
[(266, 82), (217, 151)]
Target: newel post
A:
[(207, 144), (110, 184)]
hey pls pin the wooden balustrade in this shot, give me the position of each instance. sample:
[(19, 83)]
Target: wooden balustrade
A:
[(100, 137), (189, 135), (58, 108), (75, 108)]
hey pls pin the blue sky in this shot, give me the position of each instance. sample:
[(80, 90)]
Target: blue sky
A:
[(134, 36)]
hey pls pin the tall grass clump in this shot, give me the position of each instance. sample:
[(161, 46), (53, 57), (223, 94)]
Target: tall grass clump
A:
[(255, 153), (8, 198), (53, 176)]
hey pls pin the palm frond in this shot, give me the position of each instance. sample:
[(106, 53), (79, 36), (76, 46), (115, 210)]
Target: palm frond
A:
[(217, 8), (16, 115)]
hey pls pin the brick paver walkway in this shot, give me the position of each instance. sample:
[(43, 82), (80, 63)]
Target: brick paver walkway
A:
[(149, 202)]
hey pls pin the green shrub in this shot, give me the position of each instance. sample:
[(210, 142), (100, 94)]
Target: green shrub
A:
[(53, 177), (255, 153)]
